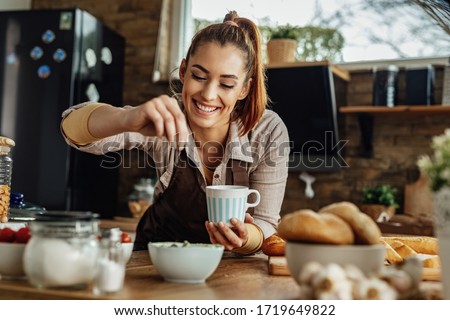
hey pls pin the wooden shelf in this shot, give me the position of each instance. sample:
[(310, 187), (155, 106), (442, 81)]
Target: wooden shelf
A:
[(422, 110), (366, 114), (337, 71)]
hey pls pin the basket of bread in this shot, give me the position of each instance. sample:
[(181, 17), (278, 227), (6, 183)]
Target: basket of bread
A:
[(338, 252)]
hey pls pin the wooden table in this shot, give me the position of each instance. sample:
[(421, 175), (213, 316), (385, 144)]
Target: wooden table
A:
[(235, 278)]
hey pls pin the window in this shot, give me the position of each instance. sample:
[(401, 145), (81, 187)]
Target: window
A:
[(373, 30)]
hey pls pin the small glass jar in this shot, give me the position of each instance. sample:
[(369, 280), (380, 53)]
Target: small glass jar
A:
[(141, 198), (63, 250), (111, 266)]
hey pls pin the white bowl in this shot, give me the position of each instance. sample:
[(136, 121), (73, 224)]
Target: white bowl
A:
[(185, 263), (127, 250), (13, 225), (11, 255), (368, 258)]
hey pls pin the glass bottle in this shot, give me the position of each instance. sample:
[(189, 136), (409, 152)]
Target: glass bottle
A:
[(141, 198), (63, 249), (5, 177), (110, 266)]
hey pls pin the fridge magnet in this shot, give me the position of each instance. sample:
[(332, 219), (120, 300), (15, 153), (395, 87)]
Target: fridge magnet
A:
[(65, 21)]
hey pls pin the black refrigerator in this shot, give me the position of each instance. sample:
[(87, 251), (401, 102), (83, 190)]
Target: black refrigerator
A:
[(50, 60)]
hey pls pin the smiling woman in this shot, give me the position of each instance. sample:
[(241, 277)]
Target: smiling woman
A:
[(218, 133)]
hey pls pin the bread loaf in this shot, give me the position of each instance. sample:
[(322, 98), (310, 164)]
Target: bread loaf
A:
[(422, 244), (365, 229), (274, 246), (309, 226)]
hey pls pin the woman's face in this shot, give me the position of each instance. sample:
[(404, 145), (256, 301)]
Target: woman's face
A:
[(213, 82)]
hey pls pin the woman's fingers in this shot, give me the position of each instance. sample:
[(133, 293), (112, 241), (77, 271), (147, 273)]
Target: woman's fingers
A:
[(166, 118), (229, 238), (179, 120), (240, 229)]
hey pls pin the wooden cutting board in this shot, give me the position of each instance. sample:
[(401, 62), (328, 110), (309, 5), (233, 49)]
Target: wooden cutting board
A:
[(278, 267)]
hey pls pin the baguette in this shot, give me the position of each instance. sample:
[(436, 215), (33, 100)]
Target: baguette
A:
[(402, 249), (422, 244), (432, 262), (391, 255)]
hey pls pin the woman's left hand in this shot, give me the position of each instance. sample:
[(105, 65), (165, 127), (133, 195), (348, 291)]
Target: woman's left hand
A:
[(230, 237)]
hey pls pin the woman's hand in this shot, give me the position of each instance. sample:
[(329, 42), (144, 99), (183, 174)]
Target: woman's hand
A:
[(160, 116), (230, 238)]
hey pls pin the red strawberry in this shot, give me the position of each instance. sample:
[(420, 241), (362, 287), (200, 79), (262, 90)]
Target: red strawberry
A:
[(23, 235), (7, 235)]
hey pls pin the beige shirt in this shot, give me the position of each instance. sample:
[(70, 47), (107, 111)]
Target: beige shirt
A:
[(265, 149)]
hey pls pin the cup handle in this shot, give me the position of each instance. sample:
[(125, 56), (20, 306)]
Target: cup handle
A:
[(258, 198)]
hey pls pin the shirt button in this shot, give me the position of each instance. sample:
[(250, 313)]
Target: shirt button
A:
[(217, 176)]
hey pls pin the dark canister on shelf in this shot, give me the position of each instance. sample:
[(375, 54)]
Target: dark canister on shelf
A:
[(385, 86)]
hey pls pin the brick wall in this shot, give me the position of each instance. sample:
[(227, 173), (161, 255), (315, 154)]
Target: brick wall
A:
[(397, 139)]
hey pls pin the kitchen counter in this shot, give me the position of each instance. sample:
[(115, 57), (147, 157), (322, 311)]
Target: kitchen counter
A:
[(236, 278)]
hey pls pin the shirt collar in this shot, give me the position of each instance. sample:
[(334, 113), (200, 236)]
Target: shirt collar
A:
[(238, 147)]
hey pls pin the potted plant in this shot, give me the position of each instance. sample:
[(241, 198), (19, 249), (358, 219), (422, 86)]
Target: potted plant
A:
[(282, 45), (379, 202)]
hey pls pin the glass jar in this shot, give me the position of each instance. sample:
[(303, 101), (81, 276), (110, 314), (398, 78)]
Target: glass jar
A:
[(141, 198), (21, 210), (5, 177), (63, 250), (111, 266)]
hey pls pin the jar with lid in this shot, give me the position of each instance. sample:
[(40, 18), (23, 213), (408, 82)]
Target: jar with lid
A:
[(5, 176), (21, 210), (111, 266), (141, 198), (63, 250)]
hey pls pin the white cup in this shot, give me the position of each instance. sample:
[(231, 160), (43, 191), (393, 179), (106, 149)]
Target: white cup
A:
[(226, 201)]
